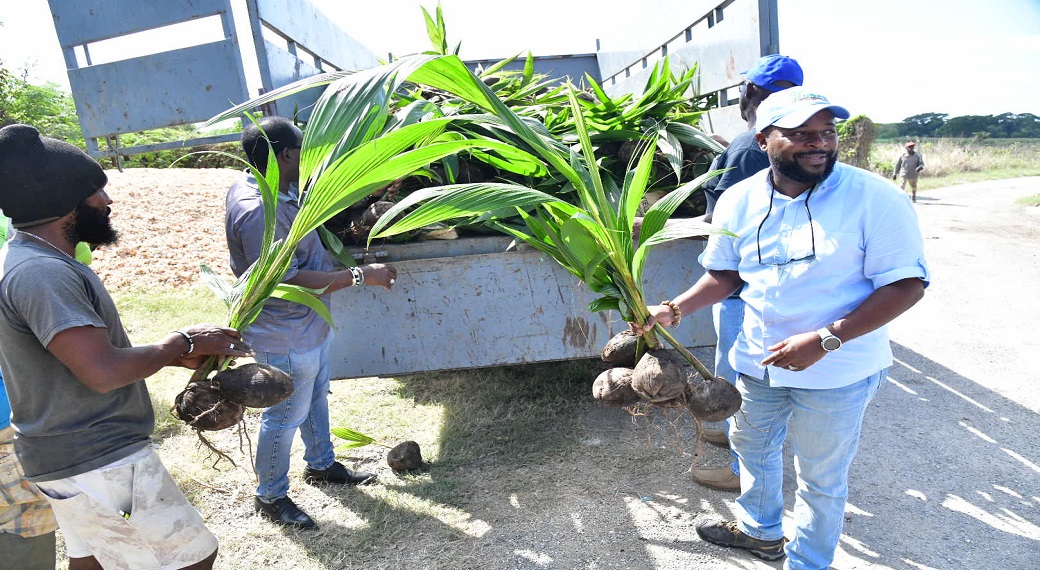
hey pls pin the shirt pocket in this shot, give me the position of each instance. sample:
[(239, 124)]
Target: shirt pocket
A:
[(838, 254)]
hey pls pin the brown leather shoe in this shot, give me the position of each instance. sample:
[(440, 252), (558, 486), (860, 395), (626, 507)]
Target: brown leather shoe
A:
[(726, 533), (715, 437), (721, 478)]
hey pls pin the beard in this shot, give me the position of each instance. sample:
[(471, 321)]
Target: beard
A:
[(792, 170), (91, 225)]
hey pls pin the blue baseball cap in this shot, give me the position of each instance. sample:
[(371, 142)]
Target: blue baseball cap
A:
[(792, 107), (770, 69)]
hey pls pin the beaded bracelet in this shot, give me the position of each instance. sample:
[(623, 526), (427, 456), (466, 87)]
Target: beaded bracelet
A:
[(191, 343), (359, 276), (675, 311)]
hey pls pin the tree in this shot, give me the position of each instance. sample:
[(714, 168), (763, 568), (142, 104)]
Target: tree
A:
[(47, 107), (967, 126), (923, 125)]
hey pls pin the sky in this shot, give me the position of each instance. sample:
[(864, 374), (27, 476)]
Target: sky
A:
[(887, 59)]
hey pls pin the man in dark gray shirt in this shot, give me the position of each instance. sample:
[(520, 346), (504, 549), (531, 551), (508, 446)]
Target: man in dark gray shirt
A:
[(289, 335), (81, 412)]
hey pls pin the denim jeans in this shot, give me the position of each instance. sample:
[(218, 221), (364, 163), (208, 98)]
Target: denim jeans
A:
[(824, 428), (728, 316), (307, 409)]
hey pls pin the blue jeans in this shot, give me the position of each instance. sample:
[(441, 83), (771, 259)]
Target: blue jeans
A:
[(307, 409), (824, 427), (728, 316)]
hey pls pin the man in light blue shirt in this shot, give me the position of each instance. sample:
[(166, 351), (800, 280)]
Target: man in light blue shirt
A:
[(830, 254)]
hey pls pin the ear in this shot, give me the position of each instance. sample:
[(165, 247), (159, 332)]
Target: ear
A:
[(283, 155), (762, 141)]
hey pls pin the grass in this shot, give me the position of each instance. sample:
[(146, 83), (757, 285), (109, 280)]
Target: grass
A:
[(472, 426)]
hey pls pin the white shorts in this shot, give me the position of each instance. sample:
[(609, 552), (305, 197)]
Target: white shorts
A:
[(129, 515)]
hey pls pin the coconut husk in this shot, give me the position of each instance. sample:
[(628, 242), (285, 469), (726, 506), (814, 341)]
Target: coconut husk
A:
[(405, 456), (660, 376), (372, 213), (614, 387), (620, 350), (205, 409), (253, 385), (713, 399)]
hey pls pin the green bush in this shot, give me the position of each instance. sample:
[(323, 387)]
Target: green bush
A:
[(46, 107), (855, 139)]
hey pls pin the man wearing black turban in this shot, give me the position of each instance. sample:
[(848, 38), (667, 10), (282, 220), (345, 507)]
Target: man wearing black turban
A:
[(80, 410)]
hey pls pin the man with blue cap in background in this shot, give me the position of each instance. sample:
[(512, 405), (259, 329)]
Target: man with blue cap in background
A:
[(830, 254), (742, 158)]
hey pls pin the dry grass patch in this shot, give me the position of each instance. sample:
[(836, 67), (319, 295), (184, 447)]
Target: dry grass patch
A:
[(477, 430)]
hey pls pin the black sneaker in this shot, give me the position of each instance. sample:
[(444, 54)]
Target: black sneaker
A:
[(337, 473), (284, 512), (726, 533)]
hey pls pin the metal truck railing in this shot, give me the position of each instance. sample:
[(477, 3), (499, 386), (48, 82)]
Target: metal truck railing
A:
[(289, 40)]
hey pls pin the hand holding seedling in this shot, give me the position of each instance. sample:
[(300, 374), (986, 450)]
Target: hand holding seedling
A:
[(208, 340)]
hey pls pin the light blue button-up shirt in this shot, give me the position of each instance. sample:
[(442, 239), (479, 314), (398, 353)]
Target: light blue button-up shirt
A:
[(865, 235)]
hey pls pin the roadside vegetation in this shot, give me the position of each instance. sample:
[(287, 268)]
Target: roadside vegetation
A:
[(960, 161)]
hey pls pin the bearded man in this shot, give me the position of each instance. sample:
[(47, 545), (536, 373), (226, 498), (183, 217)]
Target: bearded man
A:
[(80, 410), (830, 254)]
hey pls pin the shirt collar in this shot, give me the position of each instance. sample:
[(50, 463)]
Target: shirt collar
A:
[(293, 195)]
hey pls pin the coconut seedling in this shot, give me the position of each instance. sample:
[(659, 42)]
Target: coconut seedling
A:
[(352, 146), (594, 240)]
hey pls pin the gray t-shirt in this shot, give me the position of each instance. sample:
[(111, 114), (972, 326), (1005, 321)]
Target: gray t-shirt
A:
[(62, 427), (282, 325)]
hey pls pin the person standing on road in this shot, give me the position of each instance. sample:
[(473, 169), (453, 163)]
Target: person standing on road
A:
[(289, 335), (81, 411), (830, 254), (742, 158), (908, 168)]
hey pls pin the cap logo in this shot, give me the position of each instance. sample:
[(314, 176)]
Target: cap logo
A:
[(808, 96)]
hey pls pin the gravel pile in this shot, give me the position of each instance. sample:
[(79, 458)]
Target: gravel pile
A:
[(171, 221)]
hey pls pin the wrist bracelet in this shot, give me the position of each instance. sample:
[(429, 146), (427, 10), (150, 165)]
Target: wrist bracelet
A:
[(675, 311), (359, 276), (191, 343)]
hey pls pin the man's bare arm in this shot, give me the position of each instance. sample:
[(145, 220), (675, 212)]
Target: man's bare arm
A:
[(88, 354)]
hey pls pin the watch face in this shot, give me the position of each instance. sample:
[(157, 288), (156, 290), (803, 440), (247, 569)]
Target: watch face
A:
[(831, 343)]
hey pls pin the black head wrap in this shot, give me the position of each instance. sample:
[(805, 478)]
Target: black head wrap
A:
[(43, 179)]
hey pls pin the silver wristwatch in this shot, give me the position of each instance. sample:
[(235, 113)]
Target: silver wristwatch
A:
[(828, 341)]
